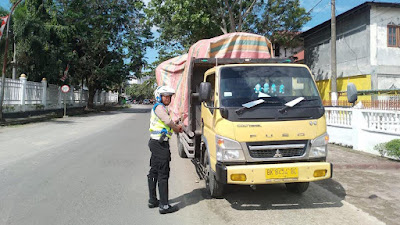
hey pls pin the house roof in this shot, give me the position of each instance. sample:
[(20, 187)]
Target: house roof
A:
[(350, 12), (299, 56)]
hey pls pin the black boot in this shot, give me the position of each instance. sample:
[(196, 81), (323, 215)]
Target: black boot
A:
[(153, 201), (164, 206), (163, 191), (164, 209)]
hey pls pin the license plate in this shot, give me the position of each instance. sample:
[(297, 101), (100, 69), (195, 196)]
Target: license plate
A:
[(282, 173)]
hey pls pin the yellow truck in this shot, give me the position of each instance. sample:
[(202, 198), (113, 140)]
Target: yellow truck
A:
[(254, 122)]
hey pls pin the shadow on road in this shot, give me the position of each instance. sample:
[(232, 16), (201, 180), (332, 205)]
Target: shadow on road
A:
[(276, 197), (61, 121), (191, 198), (321, 194), (333, 186)]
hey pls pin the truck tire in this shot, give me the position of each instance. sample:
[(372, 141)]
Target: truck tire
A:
[(181, 150), (214, 187), (297, 187)]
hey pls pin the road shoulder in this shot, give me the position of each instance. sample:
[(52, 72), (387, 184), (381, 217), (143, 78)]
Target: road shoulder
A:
[(369, 182)]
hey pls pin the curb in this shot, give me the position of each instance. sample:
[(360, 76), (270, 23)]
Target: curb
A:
[(46, 116), (368, 166)]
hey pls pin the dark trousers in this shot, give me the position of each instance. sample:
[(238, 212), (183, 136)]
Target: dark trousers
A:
[(159, 170)]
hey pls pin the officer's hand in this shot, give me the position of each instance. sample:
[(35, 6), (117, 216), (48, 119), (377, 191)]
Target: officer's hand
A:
[(178, 128)]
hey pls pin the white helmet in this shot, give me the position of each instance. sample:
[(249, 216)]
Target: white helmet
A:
[(163, 90)]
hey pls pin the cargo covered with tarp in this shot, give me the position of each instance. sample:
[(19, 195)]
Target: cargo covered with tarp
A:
[(174, 72)]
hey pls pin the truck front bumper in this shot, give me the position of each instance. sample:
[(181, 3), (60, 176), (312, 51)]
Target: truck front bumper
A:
[(274, 173)]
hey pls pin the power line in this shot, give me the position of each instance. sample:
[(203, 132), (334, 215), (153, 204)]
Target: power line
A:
[(314, 6), (322, 10)]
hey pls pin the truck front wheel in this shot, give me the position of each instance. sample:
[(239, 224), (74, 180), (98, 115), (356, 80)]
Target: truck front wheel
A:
[(214, 187), (297, 187)]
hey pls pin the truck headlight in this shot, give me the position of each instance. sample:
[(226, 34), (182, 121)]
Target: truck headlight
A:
[(228, 150), (319, 147)]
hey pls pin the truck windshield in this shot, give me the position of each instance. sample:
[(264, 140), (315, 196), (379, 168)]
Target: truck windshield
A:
[(242, 84)]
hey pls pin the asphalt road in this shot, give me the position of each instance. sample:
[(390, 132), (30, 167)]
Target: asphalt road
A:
[(92, 170)]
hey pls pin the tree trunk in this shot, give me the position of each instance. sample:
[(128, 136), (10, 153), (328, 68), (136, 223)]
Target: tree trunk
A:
[(231, 18), (224, 28), (92, 92)]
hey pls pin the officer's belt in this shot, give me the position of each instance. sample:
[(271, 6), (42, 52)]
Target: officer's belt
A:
[(159, 132)]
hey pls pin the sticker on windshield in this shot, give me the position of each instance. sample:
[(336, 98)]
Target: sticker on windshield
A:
[(227, 94), (257, 88), (282, 89), (273, 89), (266, 88)]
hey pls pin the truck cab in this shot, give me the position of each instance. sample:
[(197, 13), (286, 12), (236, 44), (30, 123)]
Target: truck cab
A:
[(257, 123)]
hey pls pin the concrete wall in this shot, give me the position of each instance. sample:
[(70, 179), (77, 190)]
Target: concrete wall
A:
[(361, 48), (384, 60), (362, 129), (289, 51), (352, 53), (22, 95)]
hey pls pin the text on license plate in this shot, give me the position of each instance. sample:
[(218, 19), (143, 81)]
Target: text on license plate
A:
[(281, 173)]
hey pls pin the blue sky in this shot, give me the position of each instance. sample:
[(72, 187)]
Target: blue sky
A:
[(320, 14)]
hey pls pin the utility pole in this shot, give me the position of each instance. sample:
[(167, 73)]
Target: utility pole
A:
[(334, 94)]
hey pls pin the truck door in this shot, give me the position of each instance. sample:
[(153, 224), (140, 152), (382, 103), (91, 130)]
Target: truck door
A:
[(208, 116)]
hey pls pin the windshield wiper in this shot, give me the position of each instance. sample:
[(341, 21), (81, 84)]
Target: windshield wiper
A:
[(253, 103), (294, 102)]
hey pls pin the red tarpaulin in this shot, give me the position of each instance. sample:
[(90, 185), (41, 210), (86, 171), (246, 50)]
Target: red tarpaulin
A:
[(174, 72)]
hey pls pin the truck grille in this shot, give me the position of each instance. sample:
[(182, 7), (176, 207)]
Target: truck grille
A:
[(277, 149)]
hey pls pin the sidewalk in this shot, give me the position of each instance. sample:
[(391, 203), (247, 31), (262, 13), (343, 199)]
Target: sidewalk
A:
[(369, 182), (39, 116)]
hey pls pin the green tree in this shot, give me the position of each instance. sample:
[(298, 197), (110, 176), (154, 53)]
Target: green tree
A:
[(142, 91), (183, 22), (101, 43), (281, 21), (40, 40), (109, 40), (3, 12)]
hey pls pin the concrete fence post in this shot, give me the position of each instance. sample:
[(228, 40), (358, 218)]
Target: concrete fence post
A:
[(44, 92), (102, 97), (60, 97), (80, 97), (95, 99), (23, 79), (357, 122), (72, 95)]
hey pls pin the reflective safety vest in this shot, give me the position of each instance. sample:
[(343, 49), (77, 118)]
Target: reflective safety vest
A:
[(157, 126)]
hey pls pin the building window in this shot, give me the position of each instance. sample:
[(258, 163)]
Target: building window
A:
[(393, 36)]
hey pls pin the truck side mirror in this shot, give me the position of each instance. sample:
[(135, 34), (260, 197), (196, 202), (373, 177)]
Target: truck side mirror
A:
[(351, 93), (205, 91)]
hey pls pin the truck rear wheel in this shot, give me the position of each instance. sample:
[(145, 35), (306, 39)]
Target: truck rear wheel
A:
[(297, 187), (214, 187), (181, 150)]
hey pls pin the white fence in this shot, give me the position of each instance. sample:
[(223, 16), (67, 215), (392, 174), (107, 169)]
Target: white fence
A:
[(22, 95), (362, 128)]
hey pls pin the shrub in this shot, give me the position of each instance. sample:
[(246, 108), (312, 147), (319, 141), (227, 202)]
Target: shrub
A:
[(380, 148), (393, 148)]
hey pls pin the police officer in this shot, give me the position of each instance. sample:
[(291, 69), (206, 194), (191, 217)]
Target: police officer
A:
[(161, 127)]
